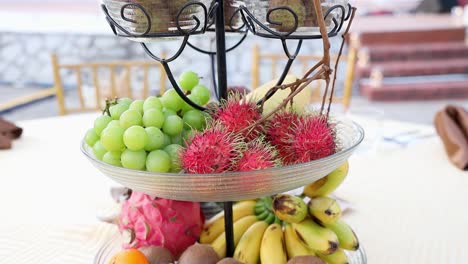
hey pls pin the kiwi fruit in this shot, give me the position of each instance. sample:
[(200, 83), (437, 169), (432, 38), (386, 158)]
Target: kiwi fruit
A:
[(229, 261), (157, 255), (199, 254), (306, 260)]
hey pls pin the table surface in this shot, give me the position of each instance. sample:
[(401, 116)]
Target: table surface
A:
[(408, 203)]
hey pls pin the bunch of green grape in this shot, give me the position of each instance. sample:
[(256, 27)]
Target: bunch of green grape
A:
[(149, 134)]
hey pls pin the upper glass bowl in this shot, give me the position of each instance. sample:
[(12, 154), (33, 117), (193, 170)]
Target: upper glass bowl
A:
[(234, 186), (274, 15)]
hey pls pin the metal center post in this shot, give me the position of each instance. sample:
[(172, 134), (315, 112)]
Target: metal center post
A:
[(222, 93)]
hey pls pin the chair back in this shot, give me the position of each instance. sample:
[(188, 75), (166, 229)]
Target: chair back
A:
[(96, 81)]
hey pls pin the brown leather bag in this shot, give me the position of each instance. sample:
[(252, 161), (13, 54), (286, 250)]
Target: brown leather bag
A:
[(452, 126), (8, 132)]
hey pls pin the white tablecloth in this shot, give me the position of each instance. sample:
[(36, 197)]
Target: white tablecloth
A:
[(409, 203)]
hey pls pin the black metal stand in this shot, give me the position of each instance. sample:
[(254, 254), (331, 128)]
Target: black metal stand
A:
[(214, 15)]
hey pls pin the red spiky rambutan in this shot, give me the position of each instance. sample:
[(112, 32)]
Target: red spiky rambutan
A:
[(313, 139), (279, 131), (237, 114), (258, 155), (214, 150)]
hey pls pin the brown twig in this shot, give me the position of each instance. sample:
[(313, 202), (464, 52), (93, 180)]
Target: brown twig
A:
[(322, 74), (345, 34)]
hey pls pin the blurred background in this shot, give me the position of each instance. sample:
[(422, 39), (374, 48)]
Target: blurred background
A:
[(405, 59)]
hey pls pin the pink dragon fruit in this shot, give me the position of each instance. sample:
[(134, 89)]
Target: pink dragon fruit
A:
[(149, 221)]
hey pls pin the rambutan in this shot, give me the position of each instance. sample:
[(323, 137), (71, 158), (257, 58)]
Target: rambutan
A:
[(214, 150), (237, 114), (279, 130), (313, 138), (258, 155)]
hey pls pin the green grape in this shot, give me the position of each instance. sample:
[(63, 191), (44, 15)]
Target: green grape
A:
[(155, 138), (177, 139), (135, 138), (202, 93), (91, 137), (168, 112), (113, 158), (137, 105), (186, 107), (114, 123), (158, 161), (117, 110), (152, 102), (100, 123), (125, 100), (188, 80), (167, 140), (130, 118), (187, 134), (174, 152), (153, 118), (99, 150), (172, 100), (133, 159), (194, 119), (112, 138), (173, 125)]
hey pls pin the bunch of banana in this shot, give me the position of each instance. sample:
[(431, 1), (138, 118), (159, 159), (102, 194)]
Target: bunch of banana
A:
[(273, 230), (247, 216)]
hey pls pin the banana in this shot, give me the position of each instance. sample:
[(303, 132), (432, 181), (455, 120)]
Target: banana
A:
[(346, 236), (289, 208), (263, 215), (248, 249), (240, 227), (327, 184), (272, 250), (215, 226), (294, 247), (339, 257), (270, 218), (300, 101), (315, 237), (324, 209), (259, 207)]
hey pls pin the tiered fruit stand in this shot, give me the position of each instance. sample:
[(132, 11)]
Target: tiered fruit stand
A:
[(136, 22)]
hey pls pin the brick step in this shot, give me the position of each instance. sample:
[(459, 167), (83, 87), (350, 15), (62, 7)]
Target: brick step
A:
[(379, 53), (416, 68), (438, 90)]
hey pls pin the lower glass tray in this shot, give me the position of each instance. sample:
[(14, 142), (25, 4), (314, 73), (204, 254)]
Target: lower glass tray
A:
[(111, 247)]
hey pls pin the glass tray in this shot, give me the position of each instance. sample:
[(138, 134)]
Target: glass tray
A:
[(111, 247), (234, 186)]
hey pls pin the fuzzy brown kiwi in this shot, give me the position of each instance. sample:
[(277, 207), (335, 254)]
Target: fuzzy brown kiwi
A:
[(157, 255), (306, 260), (199, 254)]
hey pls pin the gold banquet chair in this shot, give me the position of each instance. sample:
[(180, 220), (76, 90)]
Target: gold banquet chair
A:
[(305, 62), (96, 81)]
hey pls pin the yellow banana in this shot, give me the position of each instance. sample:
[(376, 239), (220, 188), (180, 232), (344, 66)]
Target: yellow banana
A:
[(240, 226), (300, 101), (215, 226), (248, 249), (294, 247), (327, 184), (339, 257), (289, 208), (346, 236), (315, 237), (324, 209), (272, 250)]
